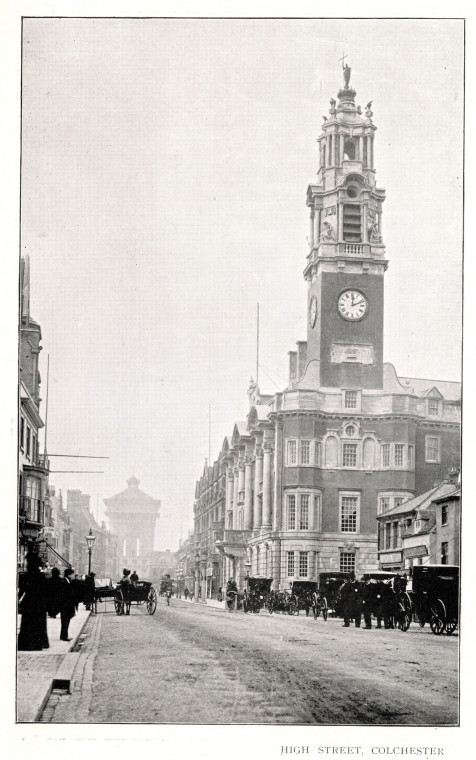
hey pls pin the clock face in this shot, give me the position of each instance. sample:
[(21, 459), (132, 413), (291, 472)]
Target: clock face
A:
[(313, 311), (352, 305)]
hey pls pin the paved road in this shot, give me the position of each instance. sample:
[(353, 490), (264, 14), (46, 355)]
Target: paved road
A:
[(200, 665)]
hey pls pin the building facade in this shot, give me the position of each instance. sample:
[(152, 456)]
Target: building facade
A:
[(132, 516), (310, 467), (33, 468), (104, 555)]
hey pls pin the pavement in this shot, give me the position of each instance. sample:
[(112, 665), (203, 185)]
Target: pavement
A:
[(39, 672)]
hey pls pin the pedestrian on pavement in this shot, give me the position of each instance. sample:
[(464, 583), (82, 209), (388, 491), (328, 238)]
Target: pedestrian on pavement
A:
[(33, 601), (125, 584), (89, 587), (54, 592), (68, 605)]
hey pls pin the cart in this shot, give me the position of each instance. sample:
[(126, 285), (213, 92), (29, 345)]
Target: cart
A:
[(328, 591), (391, 598), (138, 594), (435, 596), (256, 593)]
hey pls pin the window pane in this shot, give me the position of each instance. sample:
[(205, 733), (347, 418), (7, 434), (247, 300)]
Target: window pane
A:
[(432, 448), (304, 512), (292, 452), (347, 562), (290, 563), (350, 399), (350, 455), (386, 455), (384, 504), (291, 512), (444, 514), (303, 564), (433, 407), (305, 452), (410, 457), (399, 455), (349, 514)]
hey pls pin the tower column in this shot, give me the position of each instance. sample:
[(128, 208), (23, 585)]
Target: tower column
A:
[(248, 522), (328, 144), (267, 486), (361, 148), (365, 235), (340, 221), (258, 479), (311, 228), (341, 149)]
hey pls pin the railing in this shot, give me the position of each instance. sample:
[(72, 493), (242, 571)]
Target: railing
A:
[(353, 249)]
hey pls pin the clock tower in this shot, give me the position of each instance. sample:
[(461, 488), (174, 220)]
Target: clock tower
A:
[(346, 262)]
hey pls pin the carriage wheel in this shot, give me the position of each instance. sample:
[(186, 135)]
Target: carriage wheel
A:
[(450, 626), (403, 621), (438, 618), (151, 601), (119, 603), (324, 607)]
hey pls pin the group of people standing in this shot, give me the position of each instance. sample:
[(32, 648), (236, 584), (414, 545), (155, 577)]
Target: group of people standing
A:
[(357, 599), (41, 597)]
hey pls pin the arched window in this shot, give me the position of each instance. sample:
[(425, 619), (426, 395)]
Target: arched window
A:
[(369, 454), (331, 452)]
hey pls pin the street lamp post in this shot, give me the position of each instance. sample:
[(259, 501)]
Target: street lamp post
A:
[(90, 539)]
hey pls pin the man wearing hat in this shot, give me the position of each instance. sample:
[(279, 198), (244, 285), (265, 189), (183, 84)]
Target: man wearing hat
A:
[(68, 607)]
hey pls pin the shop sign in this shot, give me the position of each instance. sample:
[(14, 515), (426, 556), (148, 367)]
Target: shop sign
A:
[(415, 551), (395, 557)]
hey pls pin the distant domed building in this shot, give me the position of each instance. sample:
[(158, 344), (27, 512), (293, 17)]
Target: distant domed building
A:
[(132, 516)]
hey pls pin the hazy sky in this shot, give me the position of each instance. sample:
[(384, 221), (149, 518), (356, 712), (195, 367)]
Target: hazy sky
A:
[(164, 173)]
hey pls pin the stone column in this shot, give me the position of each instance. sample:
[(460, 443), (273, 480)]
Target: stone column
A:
[(278, 475), (266, 519), (241, 488), (248, 522), (311, 228), (341, 148), (317, 226), (340, 221), (361, 148), (235, 498), (258, 479), (228, 494), (328, 150), (365, 236)]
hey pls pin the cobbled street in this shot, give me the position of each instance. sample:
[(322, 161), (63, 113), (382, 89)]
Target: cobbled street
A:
[(201, 665)]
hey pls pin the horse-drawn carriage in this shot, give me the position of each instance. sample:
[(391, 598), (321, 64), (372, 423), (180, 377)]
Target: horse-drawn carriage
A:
[(256, 593), (328, 591), (138, 593), (308, 597), (435, 596), (384, 594), (282, 601)]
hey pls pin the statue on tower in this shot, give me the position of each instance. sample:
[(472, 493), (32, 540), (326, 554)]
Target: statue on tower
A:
[(347, 71)]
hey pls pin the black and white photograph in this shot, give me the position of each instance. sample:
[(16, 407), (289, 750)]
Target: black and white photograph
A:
[(239, 273)]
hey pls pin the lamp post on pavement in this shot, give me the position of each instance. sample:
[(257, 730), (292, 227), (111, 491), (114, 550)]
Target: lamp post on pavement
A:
[(90, 539)]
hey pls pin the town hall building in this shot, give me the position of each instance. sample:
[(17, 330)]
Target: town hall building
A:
[(302, 479)]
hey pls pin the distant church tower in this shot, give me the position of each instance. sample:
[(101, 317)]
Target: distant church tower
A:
[(346, 262), (132, 516)]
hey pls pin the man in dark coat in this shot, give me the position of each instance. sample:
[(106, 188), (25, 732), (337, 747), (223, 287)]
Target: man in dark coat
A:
[(349, 597), (68, 606), (33, 597), (55, 586), (89, 588)]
